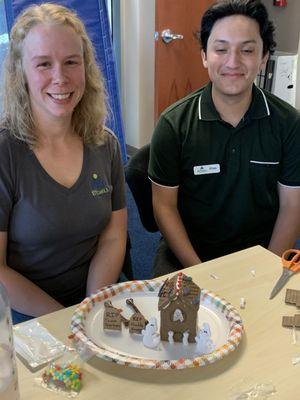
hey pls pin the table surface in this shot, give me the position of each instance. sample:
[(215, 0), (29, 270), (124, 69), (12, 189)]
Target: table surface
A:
[(264, 355)]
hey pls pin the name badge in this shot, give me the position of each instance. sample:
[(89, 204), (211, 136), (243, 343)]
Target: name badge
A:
[(207, 169)]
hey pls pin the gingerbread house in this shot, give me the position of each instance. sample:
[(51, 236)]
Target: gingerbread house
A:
[(179, 301)]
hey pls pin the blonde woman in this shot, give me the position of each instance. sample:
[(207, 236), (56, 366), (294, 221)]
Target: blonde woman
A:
[(63, 219)]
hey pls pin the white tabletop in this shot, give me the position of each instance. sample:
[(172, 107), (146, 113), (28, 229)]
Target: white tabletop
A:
[(264, 355)]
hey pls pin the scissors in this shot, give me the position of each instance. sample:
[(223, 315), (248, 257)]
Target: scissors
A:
[(291, 264)]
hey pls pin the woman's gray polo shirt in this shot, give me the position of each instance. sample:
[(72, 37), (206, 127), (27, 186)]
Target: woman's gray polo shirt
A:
[(227, 176), (52, 230)]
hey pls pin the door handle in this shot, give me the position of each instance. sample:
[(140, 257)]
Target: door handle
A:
[(167, 36)]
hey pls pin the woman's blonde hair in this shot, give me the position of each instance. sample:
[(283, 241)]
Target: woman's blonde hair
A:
[(90, 113)]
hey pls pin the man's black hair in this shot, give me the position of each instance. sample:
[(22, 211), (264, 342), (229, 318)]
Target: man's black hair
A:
[(249, 8)]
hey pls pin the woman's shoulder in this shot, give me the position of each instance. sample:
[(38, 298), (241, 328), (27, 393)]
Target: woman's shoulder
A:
[(109, 135), (109, 144), (10, 146), (4, 135), (110, 140), (6, 139), (6, 150)]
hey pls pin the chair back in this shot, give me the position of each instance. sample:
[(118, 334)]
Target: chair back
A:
[(136, 173)]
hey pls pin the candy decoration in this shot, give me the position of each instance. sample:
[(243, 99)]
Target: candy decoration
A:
[(179, 283), (65, 377)]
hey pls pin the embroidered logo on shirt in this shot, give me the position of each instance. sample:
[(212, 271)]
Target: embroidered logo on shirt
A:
[(207, 169), (98, 186)]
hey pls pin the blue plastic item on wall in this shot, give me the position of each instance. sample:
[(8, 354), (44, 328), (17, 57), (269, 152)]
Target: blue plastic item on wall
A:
[(95, 17)]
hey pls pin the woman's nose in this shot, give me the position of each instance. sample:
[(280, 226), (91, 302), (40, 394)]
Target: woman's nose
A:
[(59, 75)]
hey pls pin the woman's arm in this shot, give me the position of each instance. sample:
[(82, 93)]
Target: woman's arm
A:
[(106, 265), (24, 296)]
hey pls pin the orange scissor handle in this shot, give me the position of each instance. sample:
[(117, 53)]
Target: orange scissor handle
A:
[(291, 260)]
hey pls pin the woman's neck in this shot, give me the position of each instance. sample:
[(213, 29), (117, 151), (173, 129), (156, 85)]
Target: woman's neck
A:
[(52, 132)]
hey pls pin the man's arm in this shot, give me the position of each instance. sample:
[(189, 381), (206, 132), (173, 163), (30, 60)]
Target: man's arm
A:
[(106, 265), (170, 224), (24, 295), (287, 226)]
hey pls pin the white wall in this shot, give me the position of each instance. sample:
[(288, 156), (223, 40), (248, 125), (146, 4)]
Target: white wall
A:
[(137, 69), (287, 24)]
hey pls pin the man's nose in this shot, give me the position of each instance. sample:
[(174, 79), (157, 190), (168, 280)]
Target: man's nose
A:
[(233, 60)]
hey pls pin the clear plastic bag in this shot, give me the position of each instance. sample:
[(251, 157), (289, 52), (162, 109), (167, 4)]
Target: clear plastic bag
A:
[(35, 344), (64, 375), (248, 389)]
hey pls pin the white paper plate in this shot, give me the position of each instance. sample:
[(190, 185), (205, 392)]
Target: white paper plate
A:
[(127, 349)]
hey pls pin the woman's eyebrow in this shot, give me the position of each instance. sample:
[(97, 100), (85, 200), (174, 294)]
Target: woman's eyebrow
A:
[(41, 57)]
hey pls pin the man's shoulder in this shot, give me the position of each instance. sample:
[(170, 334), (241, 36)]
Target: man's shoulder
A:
[(280, 108), (184, 104)]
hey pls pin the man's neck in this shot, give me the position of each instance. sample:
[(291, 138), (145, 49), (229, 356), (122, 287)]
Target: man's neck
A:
[(231, 108)]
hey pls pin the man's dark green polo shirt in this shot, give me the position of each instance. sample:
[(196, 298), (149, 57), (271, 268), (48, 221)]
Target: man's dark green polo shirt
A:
[(227, 176)]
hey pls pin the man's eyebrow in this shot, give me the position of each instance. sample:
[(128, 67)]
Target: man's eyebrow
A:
[(223, 41)]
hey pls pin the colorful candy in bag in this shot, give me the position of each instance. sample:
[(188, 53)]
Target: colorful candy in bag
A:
[(64, 375)]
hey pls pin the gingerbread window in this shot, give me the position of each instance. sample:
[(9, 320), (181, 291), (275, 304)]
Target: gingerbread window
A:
[(178, 315)]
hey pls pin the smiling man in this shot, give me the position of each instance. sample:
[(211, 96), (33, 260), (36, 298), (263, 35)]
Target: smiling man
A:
[(224, 161)]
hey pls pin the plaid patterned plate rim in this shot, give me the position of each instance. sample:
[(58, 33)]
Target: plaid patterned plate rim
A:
[(79, 318)]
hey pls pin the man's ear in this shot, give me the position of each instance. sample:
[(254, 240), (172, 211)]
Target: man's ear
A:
[(264, 61), (204, 59)]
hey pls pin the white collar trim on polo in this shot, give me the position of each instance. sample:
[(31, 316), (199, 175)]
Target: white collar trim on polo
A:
[(263, 95), (199, 107), (265, 100)]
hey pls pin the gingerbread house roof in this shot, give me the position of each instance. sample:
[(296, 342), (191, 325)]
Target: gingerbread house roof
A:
[(179, 286)]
